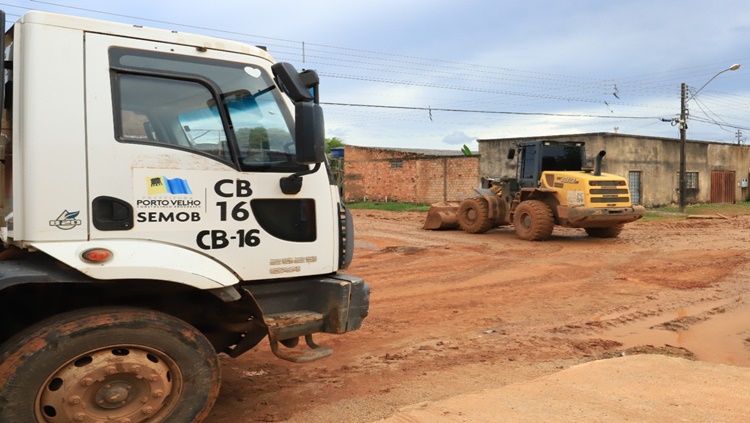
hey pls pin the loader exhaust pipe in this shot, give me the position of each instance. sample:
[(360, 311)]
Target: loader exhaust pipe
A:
[(598, 163)]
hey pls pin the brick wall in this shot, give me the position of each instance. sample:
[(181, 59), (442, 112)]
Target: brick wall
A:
[(407, 176)]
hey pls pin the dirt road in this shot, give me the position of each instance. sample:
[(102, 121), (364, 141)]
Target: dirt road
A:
[(455, 313)]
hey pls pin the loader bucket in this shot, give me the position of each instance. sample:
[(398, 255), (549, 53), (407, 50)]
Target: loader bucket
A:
[(443, 215)]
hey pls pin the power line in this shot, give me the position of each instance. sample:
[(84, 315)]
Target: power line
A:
[(529, 87), (432, 109)]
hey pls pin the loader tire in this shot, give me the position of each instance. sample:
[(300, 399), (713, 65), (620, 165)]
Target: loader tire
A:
[(474, 216), (610, 232), (108, 364), (533, 221)]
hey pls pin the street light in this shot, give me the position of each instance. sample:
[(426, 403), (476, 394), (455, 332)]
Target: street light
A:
[(683, 131)]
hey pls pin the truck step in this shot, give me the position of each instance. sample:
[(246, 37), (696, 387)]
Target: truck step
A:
[(316, 352), (286, 328)]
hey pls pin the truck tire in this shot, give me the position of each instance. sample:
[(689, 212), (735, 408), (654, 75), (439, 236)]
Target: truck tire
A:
[(474, 216), (610, 232), (108, 364), (533, 221)]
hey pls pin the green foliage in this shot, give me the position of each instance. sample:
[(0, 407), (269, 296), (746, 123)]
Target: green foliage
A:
[(390, 206), (257, 139), (465, 149), (738, 208), (673, 212), (333, 142)]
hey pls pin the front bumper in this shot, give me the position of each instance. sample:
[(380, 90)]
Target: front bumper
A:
[(335, 303), (595, 217)]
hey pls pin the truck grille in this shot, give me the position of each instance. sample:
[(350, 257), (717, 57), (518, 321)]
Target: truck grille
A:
[(606, 183), (611, 200), (608, 191)]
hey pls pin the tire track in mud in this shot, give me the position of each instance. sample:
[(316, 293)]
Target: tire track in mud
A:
[(453, 312)]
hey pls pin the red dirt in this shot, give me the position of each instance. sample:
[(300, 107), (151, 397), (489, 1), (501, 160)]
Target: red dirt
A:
[(453, 313)]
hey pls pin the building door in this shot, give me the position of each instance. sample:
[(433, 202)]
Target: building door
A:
[(634, 181), (722, 186)]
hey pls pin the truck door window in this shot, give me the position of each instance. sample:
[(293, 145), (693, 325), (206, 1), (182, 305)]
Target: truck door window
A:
[(259, 127), (237, 114), (171, 112)]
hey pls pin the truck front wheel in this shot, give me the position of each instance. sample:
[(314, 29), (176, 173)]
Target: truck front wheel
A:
[(108, 364), (533, 220)]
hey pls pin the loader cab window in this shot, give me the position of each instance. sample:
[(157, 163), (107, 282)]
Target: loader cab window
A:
[(529, 162), (562, 157), (229, 111)]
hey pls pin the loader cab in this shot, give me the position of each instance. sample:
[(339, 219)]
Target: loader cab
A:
[(540, 156)]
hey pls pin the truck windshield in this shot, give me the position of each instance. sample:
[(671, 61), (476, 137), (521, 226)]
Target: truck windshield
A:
[(174, 101)]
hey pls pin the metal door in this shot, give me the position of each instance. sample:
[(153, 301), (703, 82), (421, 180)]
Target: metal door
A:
[(722, 186)]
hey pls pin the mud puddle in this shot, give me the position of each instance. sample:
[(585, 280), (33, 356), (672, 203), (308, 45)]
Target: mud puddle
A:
[(717, 332)]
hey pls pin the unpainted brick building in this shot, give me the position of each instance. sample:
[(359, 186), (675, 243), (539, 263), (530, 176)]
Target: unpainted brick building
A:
[(408, 175)]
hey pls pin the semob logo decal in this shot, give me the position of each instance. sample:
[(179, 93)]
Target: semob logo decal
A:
[(66, 220), (160, 185)]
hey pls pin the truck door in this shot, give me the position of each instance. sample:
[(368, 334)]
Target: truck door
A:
[(186, 146)]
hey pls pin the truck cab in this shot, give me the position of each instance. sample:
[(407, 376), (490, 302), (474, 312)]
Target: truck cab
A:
[(177, 182)]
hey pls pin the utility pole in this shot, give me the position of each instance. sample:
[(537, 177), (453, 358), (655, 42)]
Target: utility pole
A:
[(683, 131), (683, 139), (739, 137)]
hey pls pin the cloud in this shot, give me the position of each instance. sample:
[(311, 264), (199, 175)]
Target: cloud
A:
[(457, 138), (517, 66)]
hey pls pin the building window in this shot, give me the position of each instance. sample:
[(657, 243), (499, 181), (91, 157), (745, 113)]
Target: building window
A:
[(397, 164), (691, 180), (634, 182)]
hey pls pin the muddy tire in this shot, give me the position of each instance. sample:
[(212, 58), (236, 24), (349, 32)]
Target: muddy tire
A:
[(610, 232), (108, 364), (533, 221), (474, 216)]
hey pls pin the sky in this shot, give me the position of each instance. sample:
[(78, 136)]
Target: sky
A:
[(440, 74)]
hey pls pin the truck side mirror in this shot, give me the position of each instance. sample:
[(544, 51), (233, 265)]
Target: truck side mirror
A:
[(309, 125), (309, 133), (511, 153), (310, 142), (311, 80), (291, 82)]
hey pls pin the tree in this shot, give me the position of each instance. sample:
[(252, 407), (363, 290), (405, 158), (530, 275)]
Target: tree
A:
[(333, 142), (337, 165)]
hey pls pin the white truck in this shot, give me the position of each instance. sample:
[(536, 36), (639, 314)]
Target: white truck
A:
[(165, 198)]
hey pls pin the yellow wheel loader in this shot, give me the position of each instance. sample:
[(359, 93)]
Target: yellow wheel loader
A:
[(551, 188)]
